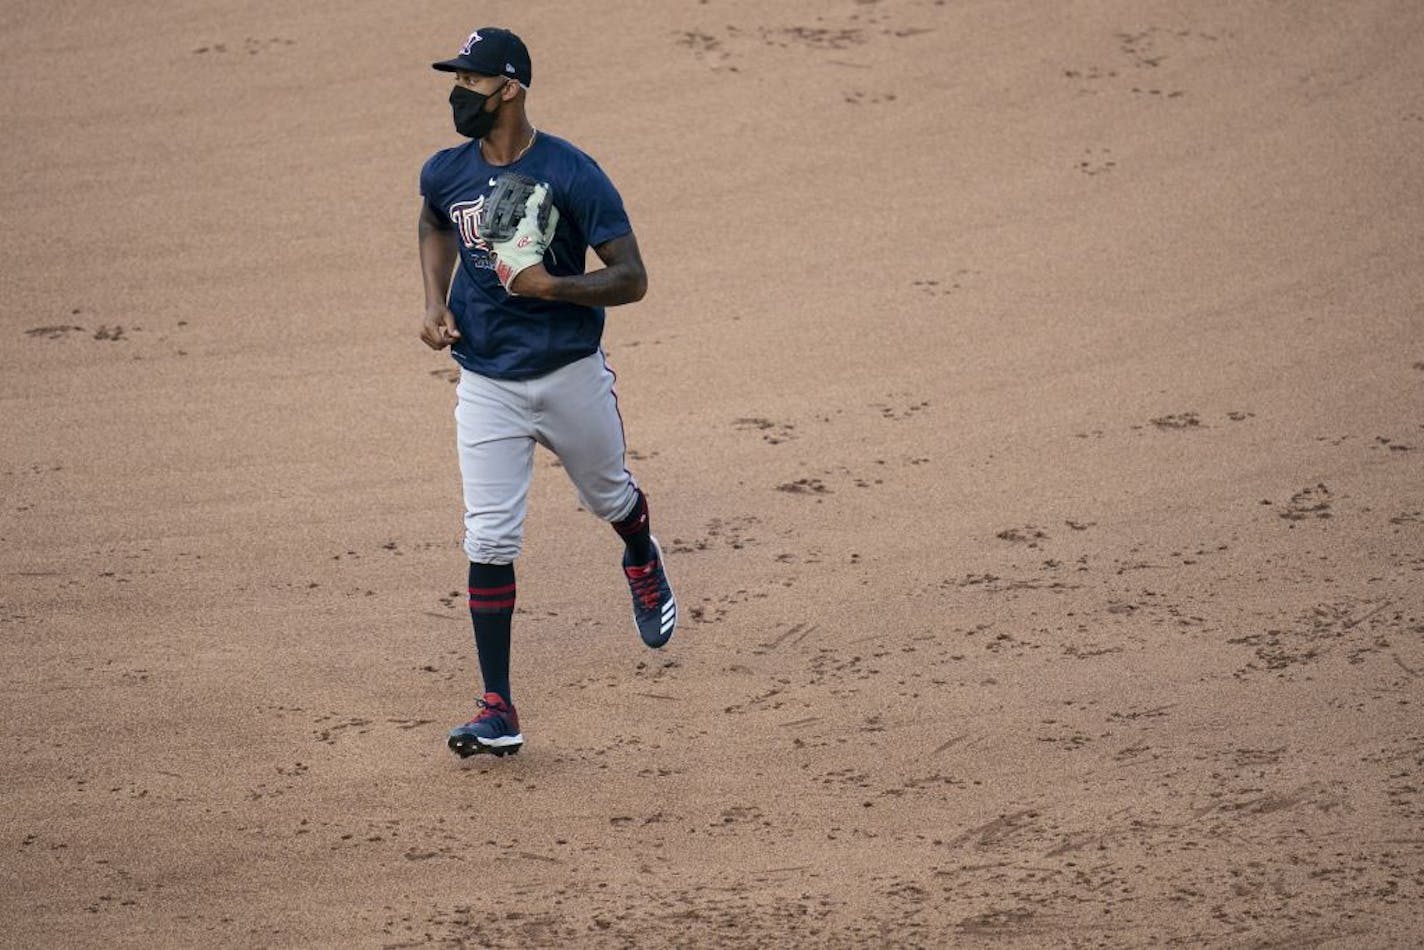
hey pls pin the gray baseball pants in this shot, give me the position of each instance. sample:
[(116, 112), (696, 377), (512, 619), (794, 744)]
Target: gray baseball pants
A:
[(573, 412)]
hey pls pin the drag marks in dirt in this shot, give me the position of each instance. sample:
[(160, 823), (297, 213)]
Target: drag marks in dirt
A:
[(110, 886), (392, 548), (792, 636), (289, 779), (356, 568), (333, 727), (706, 49), (1136, 68), (857, 97), (944, 286), (772, 433), (731, 47), (1253, 797), (1106, 611), (1135, 64), (1403, 760), (898, 407), (429, 840), (57, 332), (20, 485), (715, 609), (841, 477), (1185, 421), (995, 584), (1024, 867), (123, 575), (1390, 444), (894, 407), (733, 532), (104, 332), (782, 680), (1349, 630), (741, 914), (1052, 865), (165, 342), (250, 45)]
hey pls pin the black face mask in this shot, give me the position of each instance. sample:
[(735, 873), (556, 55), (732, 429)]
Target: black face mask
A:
[(471, 119)]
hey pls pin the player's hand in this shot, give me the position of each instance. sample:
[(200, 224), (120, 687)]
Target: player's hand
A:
[(438, 330)]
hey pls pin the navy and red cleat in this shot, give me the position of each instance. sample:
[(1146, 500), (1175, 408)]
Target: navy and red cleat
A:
[(654, 606), (495, 730)]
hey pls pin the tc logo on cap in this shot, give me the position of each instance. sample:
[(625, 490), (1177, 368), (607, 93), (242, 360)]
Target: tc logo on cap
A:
[(470, 43)]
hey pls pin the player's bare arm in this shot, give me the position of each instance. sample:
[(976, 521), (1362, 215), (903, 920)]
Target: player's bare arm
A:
[(622, 279), (437, 263)]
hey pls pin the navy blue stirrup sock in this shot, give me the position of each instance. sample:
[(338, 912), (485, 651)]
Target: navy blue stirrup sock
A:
[(491, 611), (636, 532)]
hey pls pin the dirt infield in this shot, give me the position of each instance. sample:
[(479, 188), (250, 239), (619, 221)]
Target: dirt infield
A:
[(1030, 397)]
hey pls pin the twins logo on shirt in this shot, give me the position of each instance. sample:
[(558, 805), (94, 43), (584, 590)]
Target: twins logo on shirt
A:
[(465, 215)]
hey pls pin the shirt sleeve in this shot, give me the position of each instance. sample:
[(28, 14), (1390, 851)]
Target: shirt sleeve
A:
[(596, 206), (430, 191), (427, 178)]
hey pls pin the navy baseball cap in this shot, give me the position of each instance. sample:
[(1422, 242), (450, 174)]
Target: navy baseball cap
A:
[(491, 51)]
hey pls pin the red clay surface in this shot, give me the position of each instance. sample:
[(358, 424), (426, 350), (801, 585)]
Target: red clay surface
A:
[(1029, 398)]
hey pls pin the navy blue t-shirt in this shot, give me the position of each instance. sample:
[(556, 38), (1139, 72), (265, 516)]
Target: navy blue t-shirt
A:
[(509, 337)]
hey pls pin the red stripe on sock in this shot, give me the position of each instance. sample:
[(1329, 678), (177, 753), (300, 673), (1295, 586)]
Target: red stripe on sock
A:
[(491, 591), (491, 604)]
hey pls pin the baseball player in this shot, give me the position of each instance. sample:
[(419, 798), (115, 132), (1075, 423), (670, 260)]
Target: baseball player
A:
[(510, 214)]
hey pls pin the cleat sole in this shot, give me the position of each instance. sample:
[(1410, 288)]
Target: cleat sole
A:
[(466, 746)]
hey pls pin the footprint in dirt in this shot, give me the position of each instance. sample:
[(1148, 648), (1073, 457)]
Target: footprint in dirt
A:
[(804, 486), (1096, 162), (1028, 534), (250, 45), (773, 433), (1179, 420), (900, 411), (1311, 502), (856, 97)]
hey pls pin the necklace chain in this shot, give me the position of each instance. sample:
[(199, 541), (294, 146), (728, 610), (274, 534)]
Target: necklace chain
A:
[(534, 133)]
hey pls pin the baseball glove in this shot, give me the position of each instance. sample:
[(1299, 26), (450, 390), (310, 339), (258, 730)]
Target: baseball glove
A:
[(517, 221)]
